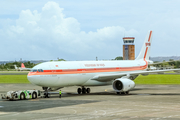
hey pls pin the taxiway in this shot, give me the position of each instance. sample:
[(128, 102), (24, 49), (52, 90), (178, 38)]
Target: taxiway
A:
[(145, 102)]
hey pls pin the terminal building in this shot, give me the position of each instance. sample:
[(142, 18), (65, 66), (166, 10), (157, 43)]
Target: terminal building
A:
[(128, 48)]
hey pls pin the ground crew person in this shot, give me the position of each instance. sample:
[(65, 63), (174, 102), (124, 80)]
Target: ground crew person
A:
[(60, 94)]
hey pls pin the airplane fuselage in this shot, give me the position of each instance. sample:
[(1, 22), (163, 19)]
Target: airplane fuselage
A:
[(80, 73)]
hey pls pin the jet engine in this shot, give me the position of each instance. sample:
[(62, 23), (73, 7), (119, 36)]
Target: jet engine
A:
[(123, 84)]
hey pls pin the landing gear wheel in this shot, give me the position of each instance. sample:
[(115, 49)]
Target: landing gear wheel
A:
[(83, 90), (46, 95), (88, 90), (79, 90), (122, 93), (118, 93), (22, 96), (34, 95), (127, 92)]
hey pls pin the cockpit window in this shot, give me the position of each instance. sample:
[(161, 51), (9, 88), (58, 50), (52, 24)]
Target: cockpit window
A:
[(39, 70), (33, 70)]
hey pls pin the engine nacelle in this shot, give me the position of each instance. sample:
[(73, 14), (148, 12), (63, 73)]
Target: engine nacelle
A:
[(123, 85)]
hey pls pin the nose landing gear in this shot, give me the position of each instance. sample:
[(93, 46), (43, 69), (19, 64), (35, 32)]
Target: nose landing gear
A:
[(46, 94)]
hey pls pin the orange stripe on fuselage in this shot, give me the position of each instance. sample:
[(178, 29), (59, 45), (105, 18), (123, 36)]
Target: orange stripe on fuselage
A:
[(87, 70)]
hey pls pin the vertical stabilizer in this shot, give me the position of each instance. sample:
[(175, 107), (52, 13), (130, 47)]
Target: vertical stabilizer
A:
[(15, 67), (145, 51), (22, 65)]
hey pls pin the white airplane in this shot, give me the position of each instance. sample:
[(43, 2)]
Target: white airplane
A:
[(120, 74), (22, 67)]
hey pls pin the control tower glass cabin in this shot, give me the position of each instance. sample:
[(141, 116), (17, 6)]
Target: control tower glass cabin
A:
[(128, 48)]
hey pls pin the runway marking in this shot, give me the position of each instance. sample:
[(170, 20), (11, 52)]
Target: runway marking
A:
[(134, 117), (118, 112), (75, 111), (109, 89), (103, 111), (2, 113), (10, 114), (110, 112), (99, 112), (160, 117)]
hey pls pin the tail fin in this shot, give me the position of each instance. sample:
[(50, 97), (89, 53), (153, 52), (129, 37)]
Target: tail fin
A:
[(15, 67), (145, 51), (22, 65)]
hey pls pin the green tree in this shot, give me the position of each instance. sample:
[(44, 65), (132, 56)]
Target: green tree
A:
[(177, 64), (61, 60), (119, 58)]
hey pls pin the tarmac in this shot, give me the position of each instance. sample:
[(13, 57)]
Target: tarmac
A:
[(145, 102)]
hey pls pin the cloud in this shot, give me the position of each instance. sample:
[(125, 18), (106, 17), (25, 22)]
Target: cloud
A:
[(49, 34)]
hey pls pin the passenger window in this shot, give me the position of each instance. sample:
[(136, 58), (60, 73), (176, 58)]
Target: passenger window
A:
[(39, 70)]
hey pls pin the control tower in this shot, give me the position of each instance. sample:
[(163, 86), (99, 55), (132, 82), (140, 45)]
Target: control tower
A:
[(128, 48)]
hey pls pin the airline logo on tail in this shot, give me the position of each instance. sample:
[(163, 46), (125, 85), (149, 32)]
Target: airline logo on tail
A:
[(148, 44)]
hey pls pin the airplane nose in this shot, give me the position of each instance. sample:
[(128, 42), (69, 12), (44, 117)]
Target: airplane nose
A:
[(33, 79)]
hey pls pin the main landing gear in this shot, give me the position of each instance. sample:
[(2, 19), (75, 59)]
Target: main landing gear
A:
[(123, 93), (83, 90)]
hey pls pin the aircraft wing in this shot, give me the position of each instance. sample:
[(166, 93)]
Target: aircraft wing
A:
[(109, 77), (25, 68), (28, 68), (162, 62)]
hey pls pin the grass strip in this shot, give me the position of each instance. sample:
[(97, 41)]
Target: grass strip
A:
[(158, 79), (13, 79), (150, 79)]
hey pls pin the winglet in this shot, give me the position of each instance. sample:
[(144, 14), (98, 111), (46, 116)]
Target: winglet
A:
[(145, 51)]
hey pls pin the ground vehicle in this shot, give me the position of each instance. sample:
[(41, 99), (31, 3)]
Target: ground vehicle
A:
[(22, 94)]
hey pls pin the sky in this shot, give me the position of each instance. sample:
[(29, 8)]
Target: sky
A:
[(86, 29)]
